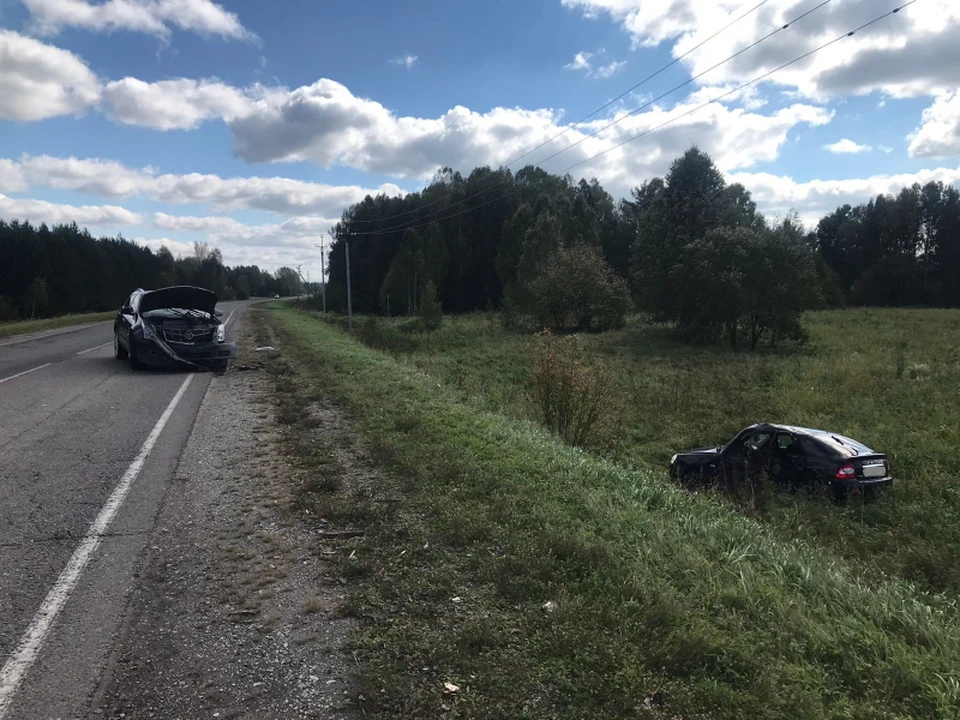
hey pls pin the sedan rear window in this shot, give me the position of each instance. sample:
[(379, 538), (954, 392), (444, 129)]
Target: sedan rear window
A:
[(845, 445)]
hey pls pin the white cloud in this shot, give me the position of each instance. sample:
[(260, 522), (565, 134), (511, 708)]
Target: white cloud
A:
[(776, 195), (11, 176), (885, 148), (584, 62), (581, 61), (179, 104), (847, 147), (111, 179), (39, 81), (291, 242), (610, 69), (939, 134), (408, 61), (295, 232), (155, 17), (910, 54), (40, 211)]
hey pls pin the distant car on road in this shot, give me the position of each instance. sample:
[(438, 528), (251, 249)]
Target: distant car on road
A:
[(173, 326), (276, 296), (792, 456)]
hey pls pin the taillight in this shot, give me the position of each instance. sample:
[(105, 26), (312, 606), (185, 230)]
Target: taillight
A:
[(847, 472)]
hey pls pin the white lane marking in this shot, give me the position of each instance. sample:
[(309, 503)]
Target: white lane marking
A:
[(229, 318), (19, 664), (98, 347), (45, 335), (25, 372)]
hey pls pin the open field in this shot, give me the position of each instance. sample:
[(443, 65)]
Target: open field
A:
[(676, 397), (21, 327), (681, 603)]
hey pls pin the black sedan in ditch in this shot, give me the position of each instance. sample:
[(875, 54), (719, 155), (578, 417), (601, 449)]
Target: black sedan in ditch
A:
[(174, 326), (791, 456)]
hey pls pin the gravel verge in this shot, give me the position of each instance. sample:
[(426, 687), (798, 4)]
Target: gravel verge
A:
[(235, 614)]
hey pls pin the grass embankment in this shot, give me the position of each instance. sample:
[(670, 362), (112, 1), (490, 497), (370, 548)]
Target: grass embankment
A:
[(22, 327), (660, 596), (676, 396)]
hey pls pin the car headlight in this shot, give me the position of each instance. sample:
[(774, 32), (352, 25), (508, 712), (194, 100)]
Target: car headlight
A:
[(148, 333), (673, 460), (220, 334)]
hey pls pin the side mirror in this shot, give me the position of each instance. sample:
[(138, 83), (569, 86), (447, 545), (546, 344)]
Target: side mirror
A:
[(126, 310), (218, 312)]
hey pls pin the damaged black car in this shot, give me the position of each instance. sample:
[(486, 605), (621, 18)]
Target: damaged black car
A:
[(791, 456), (174, 326)]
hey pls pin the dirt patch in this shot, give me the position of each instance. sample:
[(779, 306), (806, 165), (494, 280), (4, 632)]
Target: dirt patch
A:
[(236, 614)]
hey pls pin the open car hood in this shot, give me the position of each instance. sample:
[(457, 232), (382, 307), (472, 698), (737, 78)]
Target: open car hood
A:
[(185, 297)]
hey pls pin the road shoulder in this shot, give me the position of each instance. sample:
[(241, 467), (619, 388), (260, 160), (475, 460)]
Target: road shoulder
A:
[(234, 614)]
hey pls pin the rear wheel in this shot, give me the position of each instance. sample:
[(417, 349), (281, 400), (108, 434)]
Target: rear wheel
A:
[(135, 363), (119, 352)]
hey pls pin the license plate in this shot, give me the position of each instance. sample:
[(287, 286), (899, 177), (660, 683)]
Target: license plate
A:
[(874, 470)]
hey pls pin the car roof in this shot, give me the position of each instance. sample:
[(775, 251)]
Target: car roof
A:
[(836, 441)]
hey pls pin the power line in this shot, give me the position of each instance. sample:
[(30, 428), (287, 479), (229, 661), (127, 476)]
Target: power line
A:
[(633, 112), (737, 89), (688, 82), (619, 97)]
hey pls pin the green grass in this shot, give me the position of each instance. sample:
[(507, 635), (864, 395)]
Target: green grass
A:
[(659, 594), (677, 396), (20, 327)]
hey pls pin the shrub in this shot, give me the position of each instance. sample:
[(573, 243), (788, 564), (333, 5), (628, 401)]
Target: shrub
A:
[(576, 289), (430, 310), (573, 400)]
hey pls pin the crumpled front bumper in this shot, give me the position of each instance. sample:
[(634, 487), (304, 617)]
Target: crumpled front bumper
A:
[(207, 355)]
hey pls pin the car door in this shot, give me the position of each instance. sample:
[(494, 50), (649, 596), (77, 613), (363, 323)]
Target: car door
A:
[(747, 455), (789, 459)]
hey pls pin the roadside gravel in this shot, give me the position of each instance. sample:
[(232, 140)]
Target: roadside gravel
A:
[(234, 615)]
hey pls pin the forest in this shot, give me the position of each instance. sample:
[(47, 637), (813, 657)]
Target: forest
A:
[(688, 249), (46, 272)]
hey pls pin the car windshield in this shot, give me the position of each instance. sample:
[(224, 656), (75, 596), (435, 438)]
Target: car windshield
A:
[(174, 313)]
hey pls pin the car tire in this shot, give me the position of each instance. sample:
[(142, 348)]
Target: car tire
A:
[(692, 478), (135, 363), (119, 352)]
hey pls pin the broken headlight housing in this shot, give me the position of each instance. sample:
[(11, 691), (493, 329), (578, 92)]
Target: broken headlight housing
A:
[(219, 334), (148, 333)]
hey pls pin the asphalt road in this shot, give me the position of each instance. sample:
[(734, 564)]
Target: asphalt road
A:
[(82, 440)]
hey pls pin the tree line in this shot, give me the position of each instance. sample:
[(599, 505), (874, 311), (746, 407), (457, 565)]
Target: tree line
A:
[(48, 271), (689, 249)]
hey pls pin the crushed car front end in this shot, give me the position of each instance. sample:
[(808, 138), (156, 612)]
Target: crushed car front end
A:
[(179, 326)]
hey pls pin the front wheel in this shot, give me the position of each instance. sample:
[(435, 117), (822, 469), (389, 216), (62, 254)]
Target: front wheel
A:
[(692, 478), (135, 363), (119, 352)]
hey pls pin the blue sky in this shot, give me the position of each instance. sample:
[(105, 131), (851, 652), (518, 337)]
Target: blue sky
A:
[(251, 125)]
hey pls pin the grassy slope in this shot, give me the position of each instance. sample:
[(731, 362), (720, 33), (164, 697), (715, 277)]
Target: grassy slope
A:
[(655, 589), (678, 397), (21, 327)]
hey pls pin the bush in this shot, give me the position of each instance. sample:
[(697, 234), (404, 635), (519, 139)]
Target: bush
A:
[(573, 400), (430, 311), (576, 289)]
